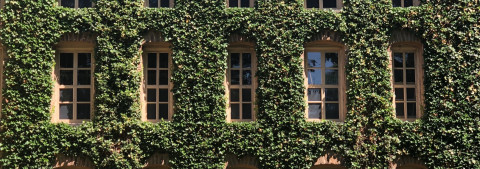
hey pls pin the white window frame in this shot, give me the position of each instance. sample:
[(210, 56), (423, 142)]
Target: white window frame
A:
[(251, 5), (338, 8), (76, 4), (170, 5)]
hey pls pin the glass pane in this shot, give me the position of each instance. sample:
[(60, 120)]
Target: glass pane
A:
[(315, 111), (398, 60), (314, 95), (235, 60), (247, 77), (247, 95), (408, 3), (315, 76), (66, 95), (153, 3), (66, 60), (235, 77), (163, 60), (245, 3), (314, 59), (83, 95), (83, 77), (83, 111), (152, 60), (247, 60), (68, 3), (399, 110), (234, 95), (235, 111), (66, 77), (84, 60), (397, 3), (331, 111), (411, 110), (151, 112), (331, 60), (66, 111), (163, 77), (152, 77), (163, 95), (410, 60), (329, 3), (313, 4), (163, 111), (399, 94), (410, 76), (331, 94), (151, 95), (247, 111), (398, 76), (84, 3), (411, 94), (165, 3), (331, 77), (233, 3)]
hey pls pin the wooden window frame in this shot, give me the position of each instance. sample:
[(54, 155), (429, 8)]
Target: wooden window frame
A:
[(76, 4), (56, 77), (170, 5), (242, 48), (417, 49), (338, 8), (327, 46), (251, 5), (156, 48), (415, 3)]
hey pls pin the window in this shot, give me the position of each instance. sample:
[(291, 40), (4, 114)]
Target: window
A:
[(74, 86), (158, 86), (240, 3), (405, 3), (324, 69), (407, 85), (76, 3), (324, 4), (159, 3), (241, 84)]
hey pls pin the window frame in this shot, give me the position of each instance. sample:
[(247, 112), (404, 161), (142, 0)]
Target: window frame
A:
[(323, 47), (83, 48), (338, 8), (417, 49), (415, 3), (251, 5), (76, 4), (156, 48), (170, 5), (242, 48)]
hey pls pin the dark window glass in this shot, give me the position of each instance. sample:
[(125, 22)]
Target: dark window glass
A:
[(151, 112), (247, 111), (247, 77), (235, 77), (84, 3), (410, 59), (411, 94), (68, 3), (152, 60), (411, 110), (235, 111), (410, 76), (235, 60), (151, 95), (398, 60), (397, 3), (329, 3), (83, 111), (66, 77), (399, 94), (331, 60), (245, 3), (84, 60), (152, 77), (314, 59), (163, 111), (315, 76), (331, 94), (153, 3), (66, 95), (83, 95), (163, 95), (313, 4), (246, 95), (247, 60), (331, 111), (165, 3), (163, 60), (66, 60), (66, 111), (408, 3), (331, 77), (398, 76), (399, 109), (233, 3), (314, 95), (163, 75), (234, 95), (83, 77), (315, 110)]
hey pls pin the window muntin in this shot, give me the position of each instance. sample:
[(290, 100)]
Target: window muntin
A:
[(405, 3), (323, 4), (240, 3), (76, 3), (241, 85), (75, 96), (159, 3), (157, 77), (406, 84)]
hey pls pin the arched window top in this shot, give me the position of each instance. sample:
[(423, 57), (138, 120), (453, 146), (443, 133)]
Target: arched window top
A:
[(64, 162)]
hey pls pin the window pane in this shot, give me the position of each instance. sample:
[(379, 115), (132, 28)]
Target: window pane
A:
[(408, 3), (398, 76), (234, 95), (84, 3), (151, 112), (313, 4), (315, 111), (331, 111), (66, 95), (314, 95), (66, 60), (331, 94), (315, 76), (151, 95), (66, 77), (235, 77), (163, 60), (152, 60), (235, 111), (68, 3), (247, 111), (83, 111), (411, 110), (163, 95), (163, 77), (399, 94), (331, 77), (398, 60), (329, 3), (397, 3), (246, 60), (165, 3), (331, 60), (314, 59), (235, 60), (153, 3), (83, 77), (410, 76), (233, 3), (410, 59), (399, 110), (247, 77), (66, 111), (152, 77), (163, 111), (245, 3), (247, 95), (84, 60), (83, 95), (411, 94)]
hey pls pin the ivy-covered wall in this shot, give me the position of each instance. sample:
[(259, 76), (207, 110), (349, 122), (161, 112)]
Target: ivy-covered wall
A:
[(448, 135)]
